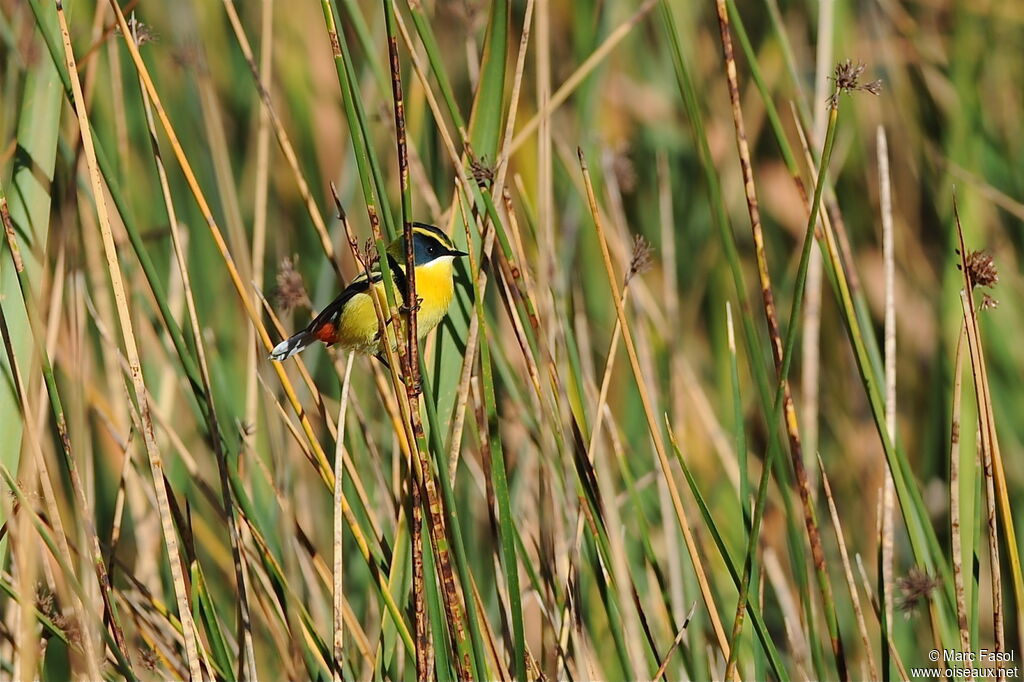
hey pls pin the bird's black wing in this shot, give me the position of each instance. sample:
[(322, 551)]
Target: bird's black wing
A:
[(333, 309)]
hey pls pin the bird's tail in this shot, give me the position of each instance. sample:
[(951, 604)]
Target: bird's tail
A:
[(292, 345)]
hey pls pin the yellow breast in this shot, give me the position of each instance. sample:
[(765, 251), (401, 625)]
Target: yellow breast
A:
[(357, 326), (435, 287)]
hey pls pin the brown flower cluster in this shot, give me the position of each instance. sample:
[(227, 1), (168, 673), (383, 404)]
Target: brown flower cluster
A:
[(916, 586), (641, 259), (981, 269), (483, 173), (290, 291), (847, 79)]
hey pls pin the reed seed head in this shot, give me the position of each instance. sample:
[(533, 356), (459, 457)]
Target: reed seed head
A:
[(483, 173), (147, 658), (916, 586), (290, 291), (981, 269), (641, 259), (847, 79)]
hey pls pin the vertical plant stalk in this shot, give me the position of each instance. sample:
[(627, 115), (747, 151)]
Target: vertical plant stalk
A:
[(339, 522), (987, 469), (888, 256), (559, 97), (259, 216), (282, 138), (421, 630), (247, 657), (411, 373), (386, 331), (810, 366), (323, 466), (652, 423), (59, 550), (492, 441), (956, 542), (987, 423), (792, 428), (25, 640), (410, 362), (923, 540), (132, 355), (848, 572), (787, 357), (57, 407), (366, 160)]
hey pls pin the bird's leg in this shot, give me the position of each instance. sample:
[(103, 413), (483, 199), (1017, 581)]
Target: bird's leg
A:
[(405, 308)]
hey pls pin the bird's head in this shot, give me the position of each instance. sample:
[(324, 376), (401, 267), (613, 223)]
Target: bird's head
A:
[(429, 244)]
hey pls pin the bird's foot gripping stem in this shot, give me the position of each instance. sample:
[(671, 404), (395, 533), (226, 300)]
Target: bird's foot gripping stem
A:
[(405, 308)]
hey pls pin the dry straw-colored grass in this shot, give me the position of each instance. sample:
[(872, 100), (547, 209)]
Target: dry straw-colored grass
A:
[(671, 356)]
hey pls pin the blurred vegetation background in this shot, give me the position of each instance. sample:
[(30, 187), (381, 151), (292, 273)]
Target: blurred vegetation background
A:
[(593, 506)]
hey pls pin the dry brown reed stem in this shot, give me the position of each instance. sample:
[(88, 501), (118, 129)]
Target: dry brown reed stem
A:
[(462, 178), (979, 270), (848, 571), (405, 429), (282, 138), (888, 489), (509, 270), (247, 657), (956, 542), (544, 188), (421, 629), (427, 492), (675, 643), (131, 351), (321, 463), (768, 299), (652, 423), (988, 471), (480, 276), (218, 237), (606, 380), (407, 406)]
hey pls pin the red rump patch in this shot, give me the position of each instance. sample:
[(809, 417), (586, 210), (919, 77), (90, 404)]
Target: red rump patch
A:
[(326, 333)]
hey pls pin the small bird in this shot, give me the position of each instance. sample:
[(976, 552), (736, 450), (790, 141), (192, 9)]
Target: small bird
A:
[(350, 320)]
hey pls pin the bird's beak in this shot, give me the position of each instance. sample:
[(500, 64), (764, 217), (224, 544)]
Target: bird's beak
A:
[(456, 252)]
